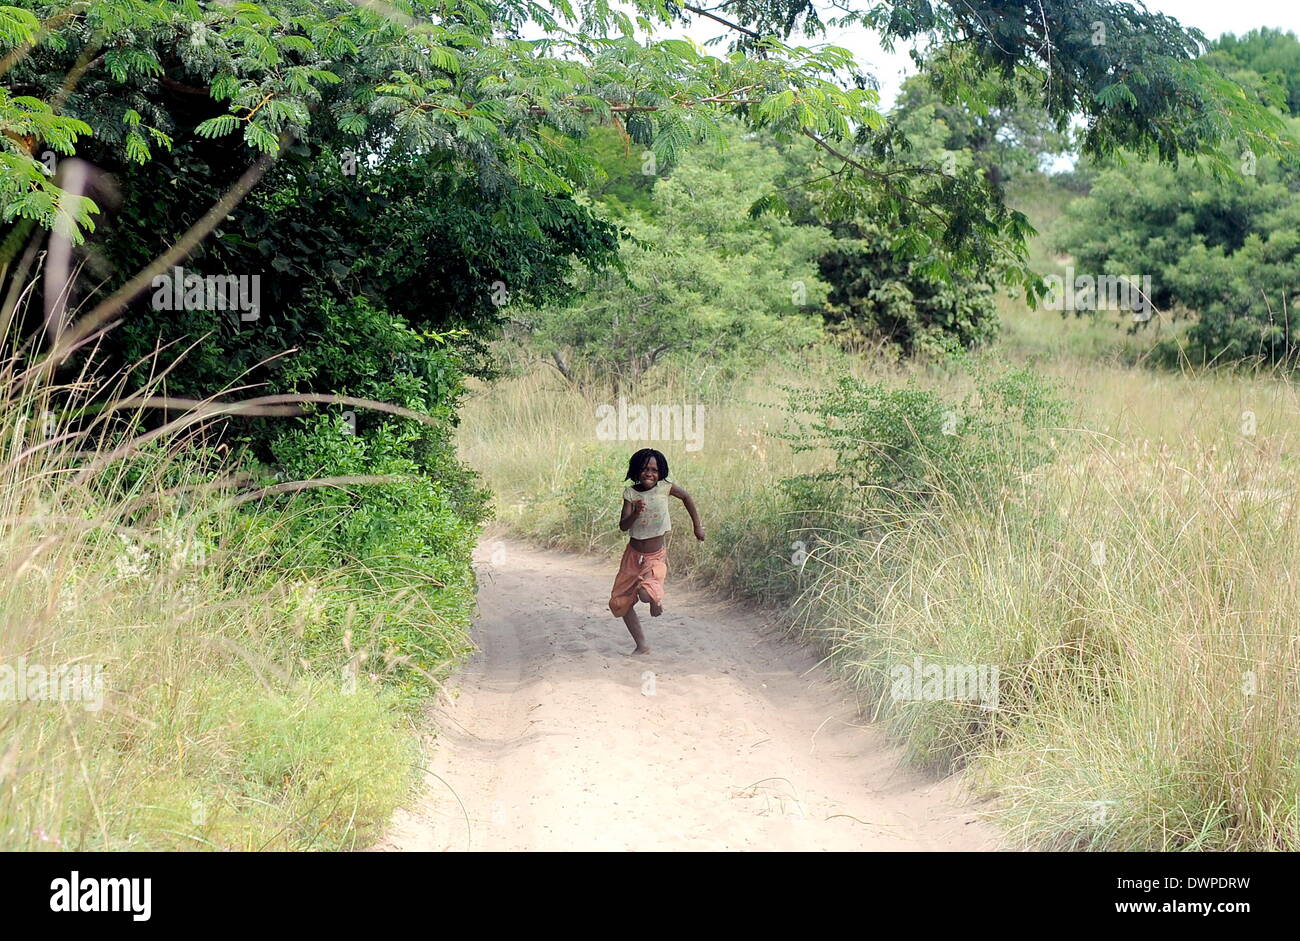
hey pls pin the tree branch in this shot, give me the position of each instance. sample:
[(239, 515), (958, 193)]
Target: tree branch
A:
[(727, 23), (561, 365), (878, 175)]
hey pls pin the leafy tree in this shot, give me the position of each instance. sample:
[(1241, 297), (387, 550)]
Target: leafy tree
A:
[(1220, 249), (1269, 53), (881, 292), (419, 240), (1223, 252), (421, 76), (876, 295), (702, 278), (362, 197), (1002, 140), (1132, 75), (436, 76)]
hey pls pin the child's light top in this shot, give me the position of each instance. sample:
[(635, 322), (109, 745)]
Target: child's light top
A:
[(654, 520)]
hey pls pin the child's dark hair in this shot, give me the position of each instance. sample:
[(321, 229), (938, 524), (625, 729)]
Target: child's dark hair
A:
[(638, 462)]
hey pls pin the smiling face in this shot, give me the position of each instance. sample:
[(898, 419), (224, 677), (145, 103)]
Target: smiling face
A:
[(649, 475)]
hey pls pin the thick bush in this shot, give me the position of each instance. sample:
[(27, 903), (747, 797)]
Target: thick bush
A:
[(1220, 252), (897, 448), (877, 295)]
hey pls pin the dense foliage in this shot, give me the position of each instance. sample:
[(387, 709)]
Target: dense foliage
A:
[(1009, 136), (878, 296), (702, 278), (1224, 253), (890, 445), (1221, 251), (1265, 53), (424, 77)]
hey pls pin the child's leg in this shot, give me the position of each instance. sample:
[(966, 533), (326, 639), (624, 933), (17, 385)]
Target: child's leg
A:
[(634, 628), (651, 578), (656, 608), (622, 600)]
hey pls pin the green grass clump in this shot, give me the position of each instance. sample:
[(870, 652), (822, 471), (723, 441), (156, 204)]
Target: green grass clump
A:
[(251, 674)]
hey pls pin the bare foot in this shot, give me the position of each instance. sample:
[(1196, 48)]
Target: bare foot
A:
[(656, 609), (639, 650)]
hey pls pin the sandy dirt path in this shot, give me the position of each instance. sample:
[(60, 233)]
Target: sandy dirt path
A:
[(726, 736)]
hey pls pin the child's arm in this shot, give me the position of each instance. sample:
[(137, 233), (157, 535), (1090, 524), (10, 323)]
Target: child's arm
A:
[(630, 512), (685, 497)]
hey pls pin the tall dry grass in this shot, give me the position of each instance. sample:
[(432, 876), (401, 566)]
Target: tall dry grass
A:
[(219, 703)]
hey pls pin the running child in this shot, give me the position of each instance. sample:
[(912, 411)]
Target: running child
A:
[(644, 566)]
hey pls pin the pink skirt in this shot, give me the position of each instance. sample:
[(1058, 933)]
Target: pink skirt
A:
[(636, 571)]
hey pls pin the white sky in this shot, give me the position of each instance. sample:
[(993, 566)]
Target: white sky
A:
[(1212, 17)]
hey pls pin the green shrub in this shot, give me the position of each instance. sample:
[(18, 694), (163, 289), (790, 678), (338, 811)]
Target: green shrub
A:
[(898, 447), (1221, 253), (877, 295), (591, 502), (394, 556)]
